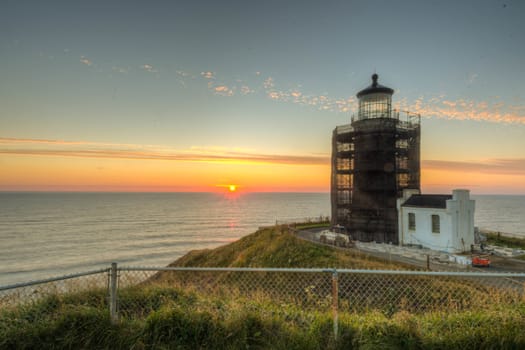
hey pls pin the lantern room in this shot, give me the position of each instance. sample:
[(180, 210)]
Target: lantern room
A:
[(375, 101)]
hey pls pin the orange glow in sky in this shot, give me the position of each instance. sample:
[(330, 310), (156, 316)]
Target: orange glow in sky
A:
[(57, 173), (249, 107), (445, 180)]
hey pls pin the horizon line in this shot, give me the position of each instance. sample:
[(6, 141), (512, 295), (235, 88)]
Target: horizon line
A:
[(215, 192)]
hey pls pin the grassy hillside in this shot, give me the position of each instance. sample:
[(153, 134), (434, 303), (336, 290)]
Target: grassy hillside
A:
[(277, 247), (190, 310), (170, 318)]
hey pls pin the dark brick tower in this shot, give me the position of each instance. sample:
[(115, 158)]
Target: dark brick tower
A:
[(373, 160)]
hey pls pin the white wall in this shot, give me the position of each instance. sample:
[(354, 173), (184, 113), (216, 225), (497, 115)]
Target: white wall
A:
[(461, 209), (423, 234), (456, 224)]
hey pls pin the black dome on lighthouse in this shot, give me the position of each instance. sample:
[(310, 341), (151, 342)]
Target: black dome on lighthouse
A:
[(375, 88)]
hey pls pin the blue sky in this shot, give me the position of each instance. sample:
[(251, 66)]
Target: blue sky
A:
[(260, 78)]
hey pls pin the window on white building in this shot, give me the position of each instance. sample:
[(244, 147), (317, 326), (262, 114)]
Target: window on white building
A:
[(435, 224), (412, 221)]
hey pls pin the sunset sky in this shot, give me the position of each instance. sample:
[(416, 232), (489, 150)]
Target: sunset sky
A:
[(198, 95)]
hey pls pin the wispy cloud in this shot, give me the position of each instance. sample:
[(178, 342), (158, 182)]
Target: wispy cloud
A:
[(79, 149), (149, 68), (495, 111), (7, 141), (268, 83), (13, 141), (85, 61), (100, 150), (215, 149), (322, 102), (503, 166), (246, 90), (223, 90), (269, 88), (208, 75), (433, 106)]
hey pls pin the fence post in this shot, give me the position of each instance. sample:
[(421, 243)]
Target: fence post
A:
[(113, 294), (335, 302)]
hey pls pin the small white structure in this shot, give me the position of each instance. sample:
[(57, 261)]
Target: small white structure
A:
[(436, 221)]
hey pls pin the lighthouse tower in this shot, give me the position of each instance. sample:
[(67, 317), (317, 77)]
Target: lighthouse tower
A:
[(373, 159)]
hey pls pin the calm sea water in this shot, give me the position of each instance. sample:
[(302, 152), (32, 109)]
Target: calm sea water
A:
[(501, 213), (46, 234)]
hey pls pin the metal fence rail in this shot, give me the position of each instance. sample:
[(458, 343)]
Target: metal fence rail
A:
[(31, 292), (134, 292)]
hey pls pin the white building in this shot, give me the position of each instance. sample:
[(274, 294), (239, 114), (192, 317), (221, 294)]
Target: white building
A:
[(436, 221)]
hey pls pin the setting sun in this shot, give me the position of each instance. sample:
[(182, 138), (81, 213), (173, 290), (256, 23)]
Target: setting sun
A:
[(232, 188)]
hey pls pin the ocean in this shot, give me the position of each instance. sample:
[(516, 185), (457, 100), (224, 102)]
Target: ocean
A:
[(50, 234), (505, 214)]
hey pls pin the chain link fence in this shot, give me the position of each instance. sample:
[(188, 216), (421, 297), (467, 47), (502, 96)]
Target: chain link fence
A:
[(48, 294), (356, 290), (134, 292)]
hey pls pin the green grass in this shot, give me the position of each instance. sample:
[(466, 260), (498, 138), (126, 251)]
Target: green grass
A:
[(277, 247), (181, 319), (179, 311), (494, 238), (312, 225)]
